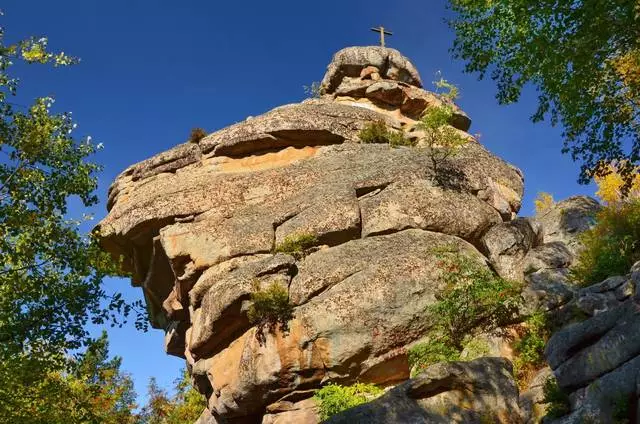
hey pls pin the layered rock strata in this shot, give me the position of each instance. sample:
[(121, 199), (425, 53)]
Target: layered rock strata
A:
[(198, 226)]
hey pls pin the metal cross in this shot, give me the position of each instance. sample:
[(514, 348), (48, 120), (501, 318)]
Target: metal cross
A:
[(382, 32)]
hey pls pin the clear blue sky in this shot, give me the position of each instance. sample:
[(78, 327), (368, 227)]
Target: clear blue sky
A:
[(152, 70)]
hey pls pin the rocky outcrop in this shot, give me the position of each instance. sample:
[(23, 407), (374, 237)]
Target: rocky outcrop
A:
[(597, 361), (200, 226), (565, 220)]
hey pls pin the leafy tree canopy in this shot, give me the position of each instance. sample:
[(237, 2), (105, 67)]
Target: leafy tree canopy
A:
[(50, 273), (185, 406), (583, 57), (92, 390)]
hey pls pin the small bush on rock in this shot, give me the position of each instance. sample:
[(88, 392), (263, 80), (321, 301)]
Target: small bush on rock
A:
[(543, 202), (377, 132), (297, 245), (621, 409), (422, 355), (197, 134), (556, 398), (474, 300), (314, 90), (334, 398), (270, 308), (612, 246), (529, 348)]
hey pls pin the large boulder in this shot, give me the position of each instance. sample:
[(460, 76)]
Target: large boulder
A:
[(507, 244), (357, 306), (204, 225), (350, 62), (565, 220), (480, 391)]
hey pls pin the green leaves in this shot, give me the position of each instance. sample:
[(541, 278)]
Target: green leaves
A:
[(581, 58), (612, 246), (474, 300), (185, 407), (91, 390), (334, 398), (50, 273)]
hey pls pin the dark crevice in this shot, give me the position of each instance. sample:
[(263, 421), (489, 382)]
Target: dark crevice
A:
[(284, 219), (585, 343), (364, 191), (276, 141), (321, 290)]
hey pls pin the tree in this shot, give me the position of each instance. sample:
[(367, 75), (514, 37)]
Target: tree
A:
[(92, 390), (443, 140), (185, 406), (50, 273), (583, 57)]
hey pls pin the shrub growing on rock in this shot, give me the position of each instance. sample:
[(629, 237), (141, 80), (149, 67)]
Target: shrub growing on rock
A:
[(334, 398), (443, 140), (556, 398), (474, 300), (543, 202), (314, 90), (197, 134), (377, 132), (270, 308), (612, 246), (297, 245), (422, 355), (529, 348)]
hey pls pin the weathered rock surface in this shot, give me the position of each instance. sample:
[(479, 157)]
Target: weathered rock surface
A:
[(507, 244), (568, 218), (198, 226), (597, 360), (351, 61), (479, 391)]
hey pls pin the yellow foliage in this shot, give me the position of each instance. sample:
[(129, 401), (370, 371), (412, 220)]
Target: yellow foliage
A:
[(627, 66), (543, 202), (34, 53), (610, 185)]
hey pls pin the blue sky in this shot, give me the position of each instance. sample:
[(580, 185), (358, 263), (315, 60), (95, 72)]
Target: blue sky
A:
[(152, 70)]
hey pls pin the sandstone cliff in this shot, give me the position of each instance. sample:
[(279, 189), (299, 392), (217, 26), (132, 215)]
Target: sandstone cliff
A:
[(198, 227)]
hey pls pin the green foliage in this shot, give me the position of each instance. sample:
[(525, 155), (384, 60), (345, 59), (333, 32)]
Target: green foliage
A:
[(475, 348), (583, 57), (529, 349), (185, 406), (557, 399), (297, 245), (446, 89), (621, 409), (196, 135), (334, 398), (443, 140), (91, 390), (314, 90), (270, 308), (612, 246), (377, 132), (422, 355), (473, 301), (50, 272)]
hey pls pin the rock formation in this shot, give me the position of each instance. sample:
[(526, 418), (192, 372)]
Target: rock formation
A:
[(199, 227)]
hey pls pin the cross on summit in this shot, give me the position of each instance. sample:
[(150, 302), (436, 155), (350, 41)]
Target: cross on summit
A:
[(382, 32)]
